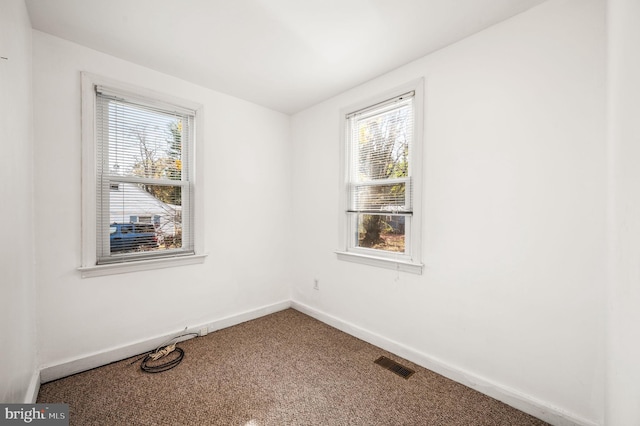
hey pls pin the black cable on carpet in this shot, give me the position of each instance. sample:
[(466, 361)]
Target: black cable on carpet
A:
[(149, 365)]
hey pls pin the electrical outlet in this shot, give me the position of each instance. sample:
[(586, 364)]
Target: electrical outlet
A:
[(316, 284), (203, 331)]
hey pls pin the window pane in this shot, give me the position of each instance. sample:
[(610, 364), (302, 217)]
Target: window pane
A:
[(142, 142), (145, 217), (381, 232), (382, 143)]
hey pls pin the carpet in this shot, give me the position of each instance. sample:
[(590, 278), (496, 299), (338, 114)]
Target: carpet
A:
[(282, 369)]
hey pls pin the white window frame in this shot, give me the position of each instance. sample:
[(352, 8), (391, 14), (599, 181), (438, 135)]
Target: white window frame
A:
[(89, 267), (412, 260)]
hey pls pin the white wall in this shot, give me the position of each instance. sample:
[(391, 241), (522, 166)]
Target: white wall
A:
[(246, 171), (18, 374), (511, 298), (623, 338)]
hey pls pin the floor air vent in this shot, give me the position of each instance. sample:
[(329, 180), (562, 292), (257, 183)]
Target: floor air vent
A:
[(391, 365)]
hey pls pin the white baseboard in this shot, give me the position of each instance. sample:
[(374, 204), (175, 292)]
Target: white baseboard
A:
[(512, 397), (34, 387), (98, 359)]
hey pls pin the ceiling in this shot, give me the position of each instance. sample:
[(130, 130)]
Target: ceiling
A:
[(283, 54)]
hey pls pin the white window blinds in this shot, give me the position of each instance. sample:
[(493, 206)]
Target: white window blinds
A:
[(379, 166), (144, 189)]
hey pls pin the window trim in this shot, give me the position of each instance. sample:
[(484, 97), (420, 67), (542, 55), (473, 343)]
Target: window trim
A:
[(379, 258), (89, 267)]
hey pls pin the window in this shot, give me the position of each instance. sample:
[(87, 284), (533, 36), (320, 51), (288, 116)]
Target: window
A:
[(381, 200), (139, 158)]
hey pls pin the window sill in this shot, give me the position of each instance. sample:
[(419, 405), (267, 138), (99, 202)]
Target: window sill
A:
[(397, 265), (140, 265)]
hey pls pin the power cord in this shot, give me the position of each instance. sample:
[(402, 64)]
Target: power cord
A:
[(159, 368), (149, 364)]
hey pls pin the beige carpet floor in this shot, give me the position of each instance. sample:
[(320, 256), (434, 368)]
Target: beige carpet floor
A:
[(283, 369)]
